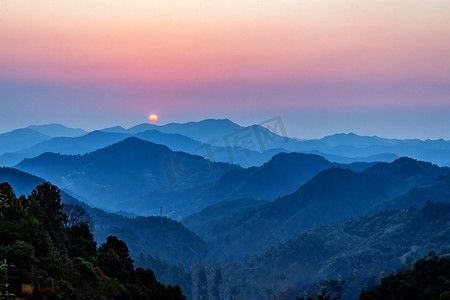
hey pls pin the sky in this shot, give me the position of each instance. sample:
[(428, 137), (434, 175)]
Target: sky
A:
[(378, 67)]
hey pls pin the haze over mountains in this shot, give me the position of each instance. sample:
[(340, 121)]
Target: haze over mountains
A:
[(218, 140), (277, 225), (175, 178), (107, 175), (163, 236), (179, 182), (331, 197)]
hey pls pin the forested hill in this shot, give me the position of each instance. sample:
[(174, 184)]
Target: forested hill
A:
[(338, 260), (47, 254), (156, 236)]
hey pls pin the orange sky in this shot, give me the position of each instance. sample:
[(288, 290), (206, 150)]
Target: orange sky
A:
[(182, 57), (199, 42)]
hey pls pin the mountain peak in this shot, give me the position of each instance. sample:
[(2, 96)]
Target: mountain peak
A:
[(20, 139), (134, 142), (223, 121), (289, 157), (141, 127), (115, 129), (57, 130)]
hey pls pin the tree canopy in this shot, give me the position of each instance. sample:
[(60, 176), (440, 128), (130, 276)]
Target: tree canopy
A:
[(46, 253)]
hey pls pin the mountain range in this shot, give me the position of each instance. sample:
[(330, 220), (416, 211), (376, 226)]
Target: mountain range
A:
[(344, 258), (99, 139), (179, 182), (222, 141), (106, 176), (331, 197), (287, 218)]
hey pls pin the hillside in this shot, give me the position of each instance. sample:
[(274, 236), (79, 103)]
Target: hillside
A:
[(64, 145), (429, 279), (281, 175), (153, 236), (209, 216), (43, 257), (345, 258), (125, 171), (331, 197), (439, 191), (159, 177)]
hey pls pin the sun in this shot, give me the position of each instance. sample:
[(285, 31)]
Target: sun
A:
[(153, 118)]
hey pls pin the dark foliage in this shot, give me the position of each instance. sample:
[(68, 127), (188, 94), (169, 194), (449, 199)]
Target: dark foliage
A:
[(42, 258), (162, 237), (430, 279)]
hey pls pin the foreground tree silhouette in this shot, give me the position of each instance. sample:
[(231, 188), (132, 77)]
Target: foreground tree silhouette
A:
[(49, 199), (115, 259), (48, 259)]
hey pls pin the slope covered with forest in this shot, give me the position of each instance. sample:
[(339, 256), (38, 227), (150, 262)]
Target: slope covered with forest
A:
[(155, 236), (346, 258), (331, 197), (48, 254)]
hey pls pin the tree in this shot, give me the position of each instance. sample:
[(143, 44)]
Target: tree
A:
[(4, 293), (47, 260), (81, 242), (49, 198), (119, 247), (430, 279), (115, 260), (77, 215), (4, 203)]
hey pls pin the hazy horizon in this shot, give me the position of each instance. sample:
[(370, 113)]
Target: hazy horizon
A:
[(129, 125)]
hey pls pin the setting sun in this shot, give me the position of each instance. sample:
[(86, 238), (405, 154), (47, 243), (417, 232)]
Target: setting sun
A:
[(153, 118)]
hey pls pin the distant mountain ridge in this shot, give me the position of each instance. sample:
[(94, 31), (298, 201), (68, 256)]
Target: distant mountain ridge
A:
[(58, 130), (138, 165), (23, 138), (225, 141), (160, 177), (20, 138), (203, 131), (344, 145), (352, 139), (99, 139)]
